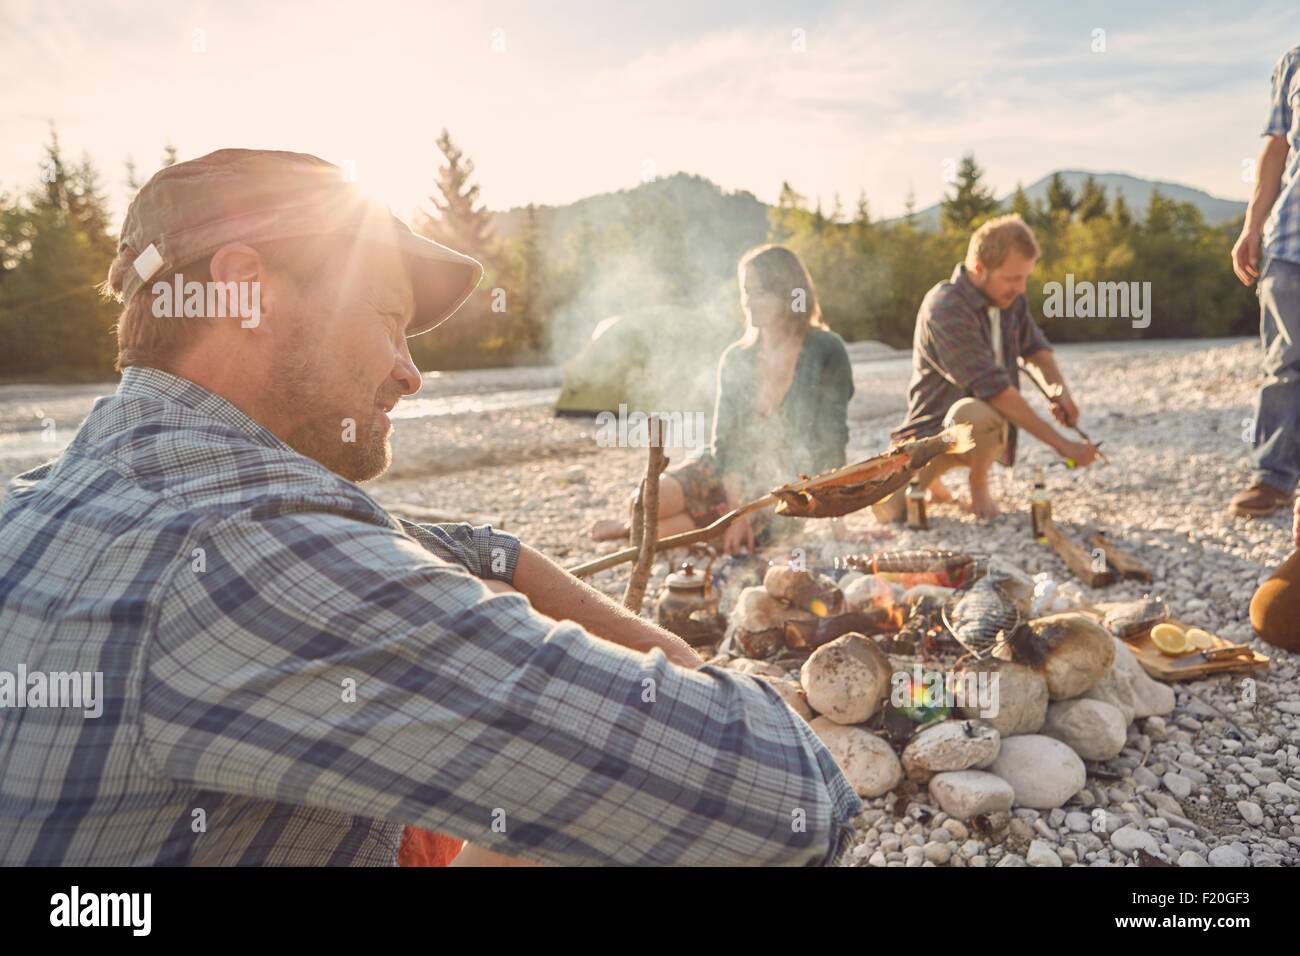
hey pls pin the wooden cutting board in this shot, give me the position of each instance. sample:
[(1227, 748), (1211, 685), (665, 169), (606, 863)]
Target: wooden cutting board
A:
[(1193, 664)]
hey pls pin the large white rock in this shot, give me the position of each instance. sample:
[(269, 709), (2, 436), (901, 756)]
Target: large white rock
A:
[(1130, 688), (847, 679), (869, 590), (1043, 772), (1019, 698), (868, 762), (804, 589), (950, 745), (1071, 650), (1093, 729), (967, 793)]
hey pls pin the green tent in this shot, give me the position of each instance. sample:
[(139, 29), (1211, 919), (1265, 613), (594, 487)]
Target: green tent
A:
[(661, 359)]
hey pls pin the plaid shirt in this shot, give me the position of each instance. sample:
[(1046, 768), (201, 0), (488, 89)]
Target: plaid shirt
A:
[(952, 355), (1282, 227), (290, 676)]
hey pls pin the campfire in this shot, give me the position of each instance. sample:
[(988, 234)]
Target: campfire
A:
[(897, 598)]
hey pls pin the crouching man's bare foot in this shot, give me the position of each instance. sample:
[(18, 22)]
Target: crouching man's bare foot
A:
[(981, 503), (607, 529), (939, 493)]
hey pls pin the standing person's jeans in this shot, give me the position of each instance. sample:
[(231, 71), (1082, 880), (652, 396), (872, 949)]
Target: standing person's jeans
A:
[(1276, 450)]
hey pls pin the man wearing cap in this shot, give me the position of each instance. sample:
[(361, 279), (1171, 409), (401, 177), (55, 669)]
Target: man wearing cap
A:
[(291, 675)]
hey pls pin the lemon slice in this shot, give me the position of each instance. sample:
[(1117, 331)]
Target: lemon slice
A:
[(1199, 639), (1169, 638)]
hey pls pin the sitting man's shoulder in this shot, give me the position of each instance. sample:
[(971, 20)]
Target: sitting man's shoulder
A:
[(945, 300)]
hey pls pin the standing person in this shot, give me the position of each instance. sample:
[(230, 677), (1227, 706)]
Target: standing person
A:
[(970, 331), (781, 408), (1268, 252)]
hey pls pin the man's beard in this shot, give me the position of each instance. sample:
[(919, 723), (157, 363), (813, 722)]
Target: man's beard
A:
[(348, 441)]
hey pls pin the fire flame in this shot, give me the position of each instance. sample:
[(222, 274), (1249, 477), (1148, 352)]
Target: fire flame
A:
[(882, 596)]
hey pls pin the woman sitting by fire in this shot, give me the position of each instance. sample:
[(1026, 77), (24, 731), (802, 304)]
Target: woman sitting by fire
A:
[(781, 407)]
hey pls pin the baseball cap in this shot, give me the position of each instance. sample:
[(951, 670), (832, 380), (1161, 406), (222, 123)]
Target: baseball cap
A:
[(188, 211)]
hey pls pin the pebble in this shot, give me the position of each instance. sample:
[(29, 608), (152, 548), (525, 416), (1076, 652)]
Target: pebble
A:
[(1128, 838), (1040, 854), (1250, 812), (1178, 785), (937, 853), (1228, 856)]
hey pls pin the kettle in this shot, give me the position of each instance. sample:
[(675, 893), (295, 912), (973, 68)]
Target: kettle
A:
[(688, 606)]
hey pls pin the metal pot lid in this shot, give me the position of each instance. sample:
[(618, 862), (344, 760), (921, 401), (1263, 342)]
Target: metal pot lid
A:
[(687, 577)]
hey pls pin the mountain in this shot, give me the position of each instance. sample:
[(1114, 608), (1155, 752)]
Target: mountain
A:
[(727, 222), (703, 206), (1136, 192)]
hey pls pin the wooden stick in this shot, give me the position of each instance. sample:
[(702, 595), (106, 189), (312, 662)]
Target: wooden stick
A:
[(634, 595), (1123, 562), (674, 540), (1076, 559), (1052, 395)]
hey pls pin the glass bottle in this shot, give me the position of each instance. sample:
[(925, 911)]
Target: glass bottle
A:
[(1040, 507), (916, 517)]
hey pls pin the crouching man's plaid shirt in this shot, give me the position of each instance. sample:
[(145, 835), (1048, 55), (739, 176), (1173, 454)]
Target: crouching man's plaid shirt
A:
[(290, 675), (952, 355)]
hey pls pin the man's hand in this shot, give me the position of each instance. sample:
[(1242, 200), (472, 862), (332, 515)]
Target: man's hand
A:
[(1245, 255), (1268, 183), (1083, 453), (1064, 409), (739, 535)]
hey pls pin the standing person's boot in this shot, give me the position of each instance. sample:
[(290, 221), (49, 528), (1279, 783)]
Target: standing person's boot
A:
[(1258, 500)]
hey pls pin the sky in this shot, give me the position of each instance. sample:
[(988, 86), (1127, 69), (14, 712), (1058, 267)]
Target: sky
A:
[(562, 100)]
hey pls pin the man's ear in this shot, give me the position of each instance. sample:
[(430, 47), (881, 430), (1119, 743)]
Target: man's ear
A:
[(242, 264)]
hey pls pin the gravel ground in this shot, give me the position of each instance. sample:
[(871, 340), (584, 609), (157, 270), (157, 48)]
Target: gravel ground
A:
[(1224, 773), (1217, 781)]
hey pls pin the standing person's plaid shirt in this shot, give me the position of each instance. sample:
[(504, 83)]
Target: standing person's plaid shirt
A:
[(232, 592), (1282, 228), (952, 355)]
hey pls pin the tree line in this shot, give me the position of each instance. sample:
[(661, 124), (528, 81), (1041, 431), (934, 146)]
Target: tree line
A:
[(553, 275)]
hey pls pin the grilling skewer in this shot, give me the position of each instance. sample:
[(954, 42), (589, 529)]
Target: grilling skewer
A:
[(829, 495), (1053, 393)]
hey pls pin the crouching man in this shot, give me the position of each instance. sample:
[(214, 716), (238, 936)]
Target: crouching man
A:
[(970, 331), (291, 675)]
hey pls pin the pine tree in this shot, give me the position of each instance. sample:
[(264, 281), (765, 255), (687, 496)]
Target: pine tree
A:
[(169, 155), (789, 199), (1119, 211), (49, 302), (1060, 197), (1020, 204), (1092, 200), (970, 201), (533, 269), (909, 205), (862, 213), (132, 181), (457, 219)]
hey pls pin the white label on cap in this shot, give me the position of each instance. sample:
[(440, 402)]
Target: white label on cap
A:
[(148, 262)]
